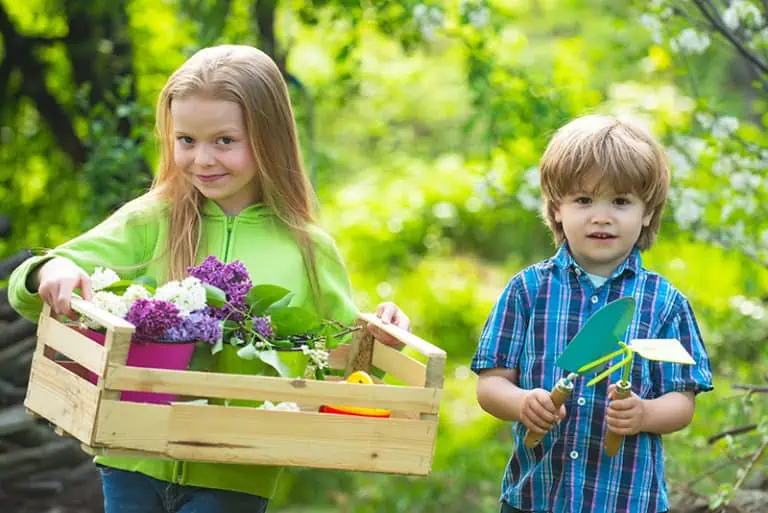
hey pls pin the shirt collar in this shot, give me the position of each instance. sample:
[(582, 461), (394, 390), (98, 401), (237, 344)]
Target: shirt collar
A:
[(564, 260)]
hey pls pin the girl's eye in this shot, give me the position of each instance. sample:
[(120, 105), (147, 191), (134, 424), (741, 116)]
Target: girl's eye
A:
[(583, 200), (224, 140), (185, 139)]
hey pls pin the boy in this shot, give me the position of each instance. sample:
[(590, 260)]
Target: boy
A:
[(604, 184)]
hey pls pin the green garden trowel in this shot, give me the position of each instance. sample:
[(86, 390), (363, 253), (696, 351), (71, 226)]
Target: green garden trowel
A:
[(596, 343)]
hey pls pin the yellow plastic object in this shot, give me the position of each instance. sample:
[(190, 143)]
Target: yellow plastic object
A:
[(361, 378)]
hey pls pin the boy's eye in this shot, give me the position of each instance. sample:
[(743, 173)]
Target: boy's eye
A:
[(224, 140), (185, 139), (583, 200), (622, 202)]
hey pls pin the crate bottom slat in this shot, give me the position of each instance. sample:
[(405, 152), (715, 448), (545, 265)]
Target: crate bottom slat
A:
[(265, 437)]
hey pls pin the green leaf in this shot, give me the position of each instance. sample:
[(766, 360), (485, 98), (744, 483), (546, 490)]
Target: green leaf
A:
[(293, 320), (287, 344), (118, 287), (214, 296), (272, 358), (203, 358), (261, 297), (248, 352), (217, 347), (230, 325), (147, 281)]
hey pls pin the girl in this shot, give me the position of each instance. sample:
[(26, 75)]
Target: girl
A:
[(230, 183)]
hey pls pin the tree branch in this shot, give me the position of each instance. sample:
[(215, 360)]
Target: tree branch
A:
[(34, 87), (735, 431), (717, 23)]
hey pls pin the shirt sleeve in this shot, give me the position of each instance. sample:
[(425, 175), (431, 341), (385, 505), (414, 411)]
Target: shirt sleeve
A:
[(118, 243), (672, 377), (503, 333)]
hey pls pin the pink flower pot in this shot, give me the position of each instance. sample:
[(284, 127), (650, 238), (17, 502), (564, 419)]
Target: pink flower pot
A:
[(153, 355)]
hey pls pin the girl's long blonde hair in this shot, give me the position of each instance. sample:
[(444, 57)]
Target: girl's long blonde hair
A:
[(250, 78)]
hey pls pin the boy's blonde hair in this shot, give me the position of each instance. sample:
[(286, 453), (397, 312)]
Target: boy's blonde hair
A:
[(622, 155)]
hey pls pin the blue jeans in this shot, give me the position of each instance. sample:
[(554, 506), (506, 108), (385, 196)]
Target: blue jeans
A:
[(132, 492)]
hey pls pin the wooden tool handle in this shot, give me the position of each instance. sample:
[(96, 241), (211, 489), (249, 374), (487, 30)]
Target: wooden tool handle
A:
[(612, 440), (559, 394)]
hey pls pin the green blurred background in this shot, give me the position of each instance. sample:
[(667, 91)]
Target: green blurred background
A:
[(422, 124)]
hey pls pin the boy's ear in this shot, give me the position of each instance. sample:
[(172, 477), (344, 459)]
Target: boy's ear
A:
[(556, 214), (647, 219)]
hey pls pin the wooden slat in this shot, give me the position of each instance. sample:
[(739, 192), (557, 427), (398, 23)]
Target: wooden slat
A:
[(73, 344), (337, 357), (233, 386), (253, 436), (407, 338), (434, 378), (103, 317), (399, 365), (61, 397), (135, 426)]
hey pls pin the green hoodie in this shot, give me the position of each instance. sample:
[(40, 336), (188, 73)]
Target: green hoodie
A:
[(255, 237)]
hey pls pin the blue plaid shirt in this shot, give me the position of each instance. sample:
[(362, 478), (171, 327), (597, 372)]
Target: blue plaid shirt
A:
[(540, 310)]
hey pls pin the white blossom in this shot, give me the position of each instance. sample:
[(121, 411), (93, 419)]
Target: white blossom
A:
[(110, 302), (690, 42), (134, 292), (187, 295), (102, 278), (723, 127), (284, 406), (742, 11), (688, 209), (680, 165), (653, 25), (318, 357)]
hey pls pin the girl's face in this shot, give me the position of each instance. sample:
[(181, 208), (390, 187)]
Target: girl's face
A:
[(601, 227), (213, 150)]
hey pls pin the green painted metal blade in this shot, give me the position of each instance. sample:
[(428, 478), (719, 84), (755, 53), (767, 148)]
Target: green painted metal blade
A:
[(599, 336)]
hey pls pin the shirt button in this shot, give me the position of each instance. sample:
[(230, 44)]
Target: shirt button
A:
[(593, 299), (574, 455), (581, 401), (578, 272)]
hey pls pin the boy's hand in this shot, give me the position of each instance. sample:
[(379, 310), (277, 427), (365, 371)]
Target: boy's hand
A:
[(625, 416), (538, 412), (390, 313)]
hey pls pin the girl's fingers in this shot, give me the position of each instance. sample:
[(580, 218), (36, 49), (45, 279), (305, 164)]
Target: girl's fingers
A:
[(86, 289)]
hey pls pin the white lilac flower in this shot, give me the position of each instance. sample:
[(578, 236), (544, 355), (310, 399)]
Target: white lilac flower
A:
[(188, 295), (317, 357), (134, 292), (690, 42), (284, 406), (110, 302), (102, 278)]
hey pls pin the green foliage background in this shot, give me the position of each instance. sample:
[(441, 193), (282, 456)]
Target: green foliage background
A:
[(422, 124)]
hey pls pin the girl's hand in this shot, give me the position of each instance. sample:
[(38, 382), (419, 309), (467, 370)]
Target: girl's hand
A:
[(389, 313), (538, 412), (625, 416), (57, 279)]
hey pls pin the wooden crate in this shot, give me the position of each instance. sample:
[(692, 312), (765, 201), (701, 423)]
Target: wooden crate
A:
[(94, 414)]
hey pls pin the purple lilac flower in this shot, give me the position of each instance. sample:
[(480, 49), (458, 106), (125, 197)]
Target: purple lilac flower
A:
[(153, 317), (263, 326), (198, 325), (232, 278)]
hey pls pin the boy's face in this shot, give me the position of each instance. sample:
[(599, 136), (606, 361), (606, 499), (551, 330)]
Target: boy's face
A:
[(601, 226)]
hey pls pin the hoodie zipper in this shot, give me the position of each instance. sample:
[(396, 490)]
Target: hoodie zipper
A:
[(230, 225)]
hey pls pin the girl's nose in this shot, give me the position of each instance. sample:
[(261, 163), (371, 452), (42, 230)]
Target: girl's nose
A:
[(204, 156)]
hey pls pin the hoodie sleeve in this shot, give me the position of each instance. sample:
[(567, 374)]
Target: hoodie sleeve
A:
[(120, 243), (333, 280)]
